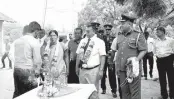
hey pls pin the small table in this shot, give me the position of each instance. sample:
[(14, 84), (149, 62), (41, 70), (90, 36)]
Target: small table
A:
[(84, 92)]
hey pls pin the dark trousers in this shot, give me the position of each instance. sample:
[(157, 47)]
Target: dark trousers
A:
[(120, 93), (112, 77), (4, 57), (165, 66), (22, 82), (130, 90), (72, 77), (149, 57)]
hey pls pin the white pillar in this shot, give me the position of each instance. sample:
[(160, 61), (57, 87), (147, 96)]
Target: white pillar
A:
[(1, 37)]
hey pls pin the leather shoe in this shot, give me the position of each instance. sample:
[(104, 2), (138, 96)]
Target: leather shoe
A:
[(103, 92), (114, 95)]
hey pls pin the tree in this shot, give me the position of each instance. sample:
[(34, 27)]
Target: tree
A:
[(102, 11)]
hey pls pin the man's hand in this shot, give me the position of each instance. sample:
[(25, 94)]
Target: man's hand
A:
[(100, 74), (77, 71), (67, 72)]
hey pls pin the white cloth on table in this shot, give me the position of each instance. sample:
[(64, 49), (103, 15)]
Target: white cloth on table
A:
[(84, 93)]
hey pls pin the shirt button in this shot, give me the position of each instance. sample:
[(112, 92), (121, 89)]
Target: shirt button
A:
[(121, 52)]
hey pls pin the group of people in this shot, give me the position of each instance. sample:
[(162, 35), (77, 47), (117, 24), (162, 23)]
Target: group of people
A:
[(85, 59)]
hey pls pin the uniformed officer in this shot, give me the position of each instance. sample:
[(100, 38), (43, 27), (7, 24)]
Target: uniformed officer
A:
[(101, 34), (129, 44), (108, 39)]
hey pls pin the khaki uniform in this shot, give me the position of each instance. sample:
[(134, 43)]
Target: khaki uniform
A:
[(128, 46)]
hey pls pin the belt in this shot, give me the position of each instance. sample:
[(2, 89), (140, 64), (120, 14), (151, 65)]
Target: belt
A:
[(90, 67)]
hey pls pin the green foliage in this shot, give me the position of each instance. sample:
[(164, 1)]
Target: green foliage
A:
[(102, 11), (149, 8)]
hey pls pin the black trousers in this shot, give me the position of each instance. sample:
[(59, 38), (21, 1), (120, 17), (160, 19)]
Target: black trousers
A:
[(112, 77), (4, 57), (22, 82), (120, 93), (72, 77), (149, 57), (165, 66)]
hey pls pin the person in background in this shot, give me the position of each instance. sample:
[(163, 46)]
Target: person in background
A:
[(72, 47), (27, 60), (6, 54), (164, 52), (101, 34), (41, 36), (70, 36), (148, 56), (113, 46), (90, 58), (129, 44), (108, 39)]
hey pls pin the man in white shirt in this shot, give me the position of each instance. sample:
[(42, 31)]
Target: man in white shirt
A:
[(27, 60), (164, 51), (148, 56), (90, 58)]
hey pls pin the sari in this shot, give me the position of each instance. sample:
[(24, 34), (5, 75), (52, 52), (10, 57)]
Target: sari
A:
[(56, 59)]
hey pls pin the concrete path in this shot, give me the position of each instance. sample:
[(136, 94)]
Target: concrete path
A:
[(149, 88)]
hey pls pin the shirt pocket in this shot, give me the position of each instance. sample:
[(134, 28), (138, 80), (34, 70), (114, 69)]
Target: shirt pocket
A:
[(132, 43), (95, 51)]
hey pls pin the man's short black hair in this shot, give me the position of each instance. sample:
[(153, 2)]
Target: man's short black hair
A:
[(33, 26), (79, 29), (161, 29), (54, 32)]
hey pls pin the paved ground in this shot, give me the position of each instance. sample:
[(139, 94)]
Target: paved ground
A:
[(149, 89)]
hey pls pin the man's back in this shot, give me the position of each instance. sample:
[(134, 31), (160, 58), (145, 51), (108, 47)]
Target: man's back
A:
[(26, 50)]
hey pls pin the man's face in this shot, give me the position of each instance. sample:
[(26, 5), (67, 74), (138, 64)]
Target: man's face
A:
[(89, 32), (159, 33), (70, 36), (36, 33), (126, 26), (77, 34), (40, 34), (108, 31)]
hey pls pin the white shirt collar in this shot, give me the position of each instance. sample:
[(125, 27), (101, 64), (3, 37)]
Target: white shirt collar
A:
[(92, 37)]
